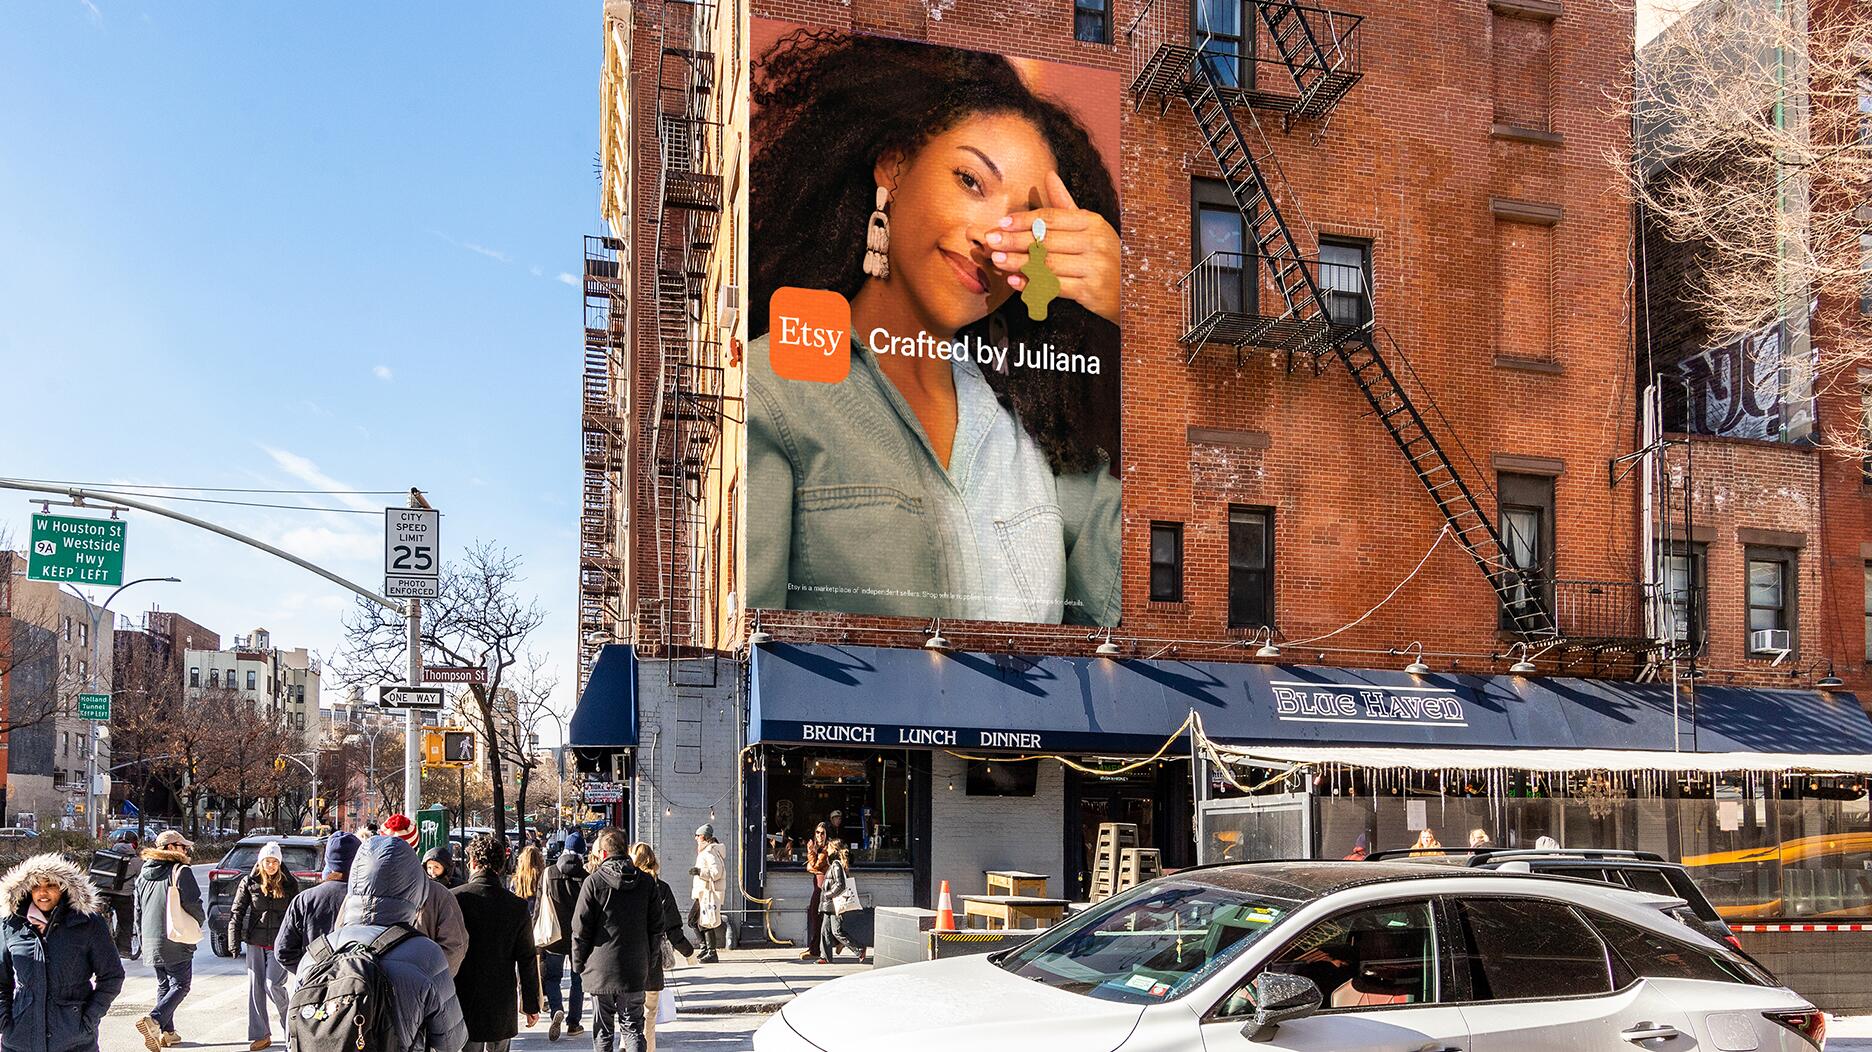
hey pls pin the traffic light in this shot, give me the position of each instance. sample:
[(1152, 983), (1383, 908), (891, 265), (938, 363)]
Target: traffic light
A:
[(458, 747), (279, 765)]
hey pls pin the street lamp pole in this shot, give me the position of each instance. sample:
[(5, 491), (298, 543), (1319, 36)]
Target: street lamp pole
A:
[(96, 616)]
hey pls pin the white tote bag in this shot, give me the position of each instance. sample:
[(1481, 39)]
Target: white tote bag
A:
[(546, 929), (178, 924), (666, 1006)]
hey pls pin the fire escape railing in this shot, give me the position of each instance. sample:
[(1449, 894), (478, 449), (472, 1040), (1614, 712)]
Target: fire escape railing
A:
[(603, 431)]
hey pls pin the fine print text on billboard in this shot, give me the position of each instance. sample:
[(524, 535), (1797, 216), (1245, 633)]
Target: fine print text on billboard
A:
[(933, 378)]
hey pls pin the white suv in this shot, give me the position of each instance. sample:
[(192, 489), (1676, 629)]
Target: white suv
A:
[(1327, 957)]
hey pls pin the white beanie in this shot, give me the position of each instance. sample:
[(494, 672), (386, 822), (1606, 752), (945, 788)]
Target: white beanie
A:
[(270, 849)]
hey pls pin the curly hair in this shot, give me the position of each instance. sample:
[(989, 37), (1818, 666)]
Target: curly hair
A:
[(828, 106), (488, 851)]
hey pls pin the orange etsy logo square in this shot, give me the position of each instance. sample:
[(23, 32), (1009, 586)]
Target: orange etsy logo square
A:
[(809, 335)]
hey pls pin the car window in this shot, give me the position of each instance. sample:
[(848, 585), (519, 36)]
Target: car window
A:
[(1381, 956), (1649, 880), (1515, 949), (1152, 946), (1640, 953)]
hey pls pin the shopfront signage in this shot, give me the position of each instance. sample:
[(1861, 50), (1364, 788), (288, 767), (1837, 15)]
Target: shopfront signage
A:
[(1301, 702), (921, 737), (604, 792)]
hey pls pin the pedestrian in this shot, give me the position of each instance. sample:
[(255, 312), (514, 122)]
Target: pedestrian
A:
[(1427, 843), (559, 893), (1479, 839), (174, 961), (673, 942), (529, 868), (439, 863), (260, 902), (816, 865), (59, 970), (501, 957), (386, 888), (438, 915), (832, 925), (708, 891), (614, 927), (113, 873), (314, 912)]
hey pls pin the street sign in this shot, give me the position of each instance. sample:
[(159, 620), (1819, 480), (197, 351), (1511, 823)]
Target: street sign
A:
[(94, 707), (78, 550), (410, 697), (412, 560), (454, 674)]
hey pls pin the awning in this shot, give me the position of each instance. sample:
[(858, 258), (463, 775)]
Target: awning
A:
[(1420, 759), (606, 716), (895, 697)]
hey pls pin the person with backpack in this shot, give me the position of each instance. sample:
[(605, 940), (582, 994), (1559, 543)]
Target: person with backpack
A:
[(708, 891), (838, 881), (615, 925), (673, 942), (314, 912), (560, 891), (260, 903), (500, 950), (375, 984), (165, 864), (59, 970)]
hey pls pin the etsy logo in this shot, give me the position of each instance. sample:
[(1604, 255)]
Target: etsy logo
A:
[(809, 335)]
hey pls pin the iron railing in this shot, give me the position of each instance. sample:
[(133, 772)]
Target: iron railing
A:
[(1229, 298), (1163, 47), (1612, 611)]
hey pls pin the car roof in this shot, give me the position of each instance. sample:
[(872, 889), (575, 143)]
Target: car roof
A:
[(1303, 880), (283, 841)]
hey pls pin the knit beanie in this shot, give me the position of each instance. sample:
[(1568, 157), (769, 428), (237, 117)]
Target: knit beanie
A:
[(339, 851), (402, 828)]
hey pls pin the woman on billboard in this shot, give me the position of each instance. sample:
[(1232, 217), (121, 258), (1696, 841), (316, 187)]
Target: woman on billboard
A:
[(965, 464)]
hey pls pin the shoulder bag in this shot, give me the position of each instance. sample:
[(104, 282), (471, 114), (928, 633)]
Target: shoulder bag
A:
[(179, 925)]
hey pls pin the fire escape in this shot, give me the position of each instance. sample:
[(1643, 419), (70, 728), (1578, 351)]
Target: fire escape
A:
[(684, 423), (605, 388), (1298, 62)]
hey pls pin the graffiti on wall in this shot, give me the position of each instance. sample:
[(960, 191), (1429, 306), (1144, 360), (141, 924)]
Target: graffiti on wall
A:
[(1758, 386)]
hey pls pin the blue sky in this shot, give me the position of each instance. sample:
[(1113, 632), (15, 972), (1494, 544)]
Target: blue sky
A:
[(308, 247)]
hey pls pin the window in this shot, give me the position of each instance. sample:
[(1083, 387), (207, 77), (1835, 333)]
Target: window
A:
[(68, 624), (1220, 234), (870, 791), (1345, 278), (1166, 562), (1527, 540), (1515, 949), (1381, 956), (1770, 594), (1251, 567), (1229, 26), (1092, 21), (84, 670), (214, 678), (1686, 610), (1868, 611), (194, 677), (84, 634), (1641, 954), (251, 677), (1865, 269)]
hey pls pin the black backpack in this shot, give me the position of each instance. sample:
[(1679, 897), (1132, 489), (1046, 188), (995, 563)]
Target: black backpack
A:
[(345, 1001)]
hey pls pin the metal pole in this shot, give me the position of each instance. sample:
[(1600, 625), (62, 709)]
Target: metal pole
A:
[(412, 720)]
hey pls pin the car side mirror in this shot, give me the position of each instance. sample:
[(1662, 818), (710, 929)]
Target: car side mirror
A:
[(1280, 997)]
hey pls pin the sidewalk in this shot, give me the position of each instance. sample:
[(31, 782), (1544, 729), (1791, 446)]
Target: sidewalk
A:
[(750, 981)]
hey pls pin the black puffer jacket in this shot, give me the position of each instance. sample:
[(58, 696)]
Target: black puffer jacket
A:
[(616, 927), (55, 986), (257, 916), (561, 888), (501, 960)]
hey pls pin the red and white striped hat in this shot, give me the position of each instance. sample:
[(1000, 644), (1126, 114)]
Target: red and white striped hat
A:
[(402, 828)]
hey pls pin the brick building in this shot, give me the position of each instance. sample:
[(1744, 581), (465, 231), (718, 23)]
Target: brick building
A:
[(1375, 360), (151, 658)]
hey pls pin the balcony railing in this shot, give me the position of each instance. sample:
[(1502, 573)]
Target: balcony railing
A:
[(1163, 49), (1601, 611), (1230, 299)]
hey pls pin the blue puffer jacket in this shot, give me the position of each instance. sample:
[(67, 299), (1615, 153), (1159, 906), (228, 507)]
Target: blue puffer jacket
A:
[(387, 886), (47, 1000)]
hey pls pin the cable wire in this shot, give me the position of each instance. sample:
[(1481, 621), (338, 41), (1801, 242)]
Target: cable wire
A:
[(224, 489)]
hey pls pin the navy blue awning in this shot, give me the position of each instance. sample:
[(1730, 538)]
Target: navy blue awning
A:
[(889, 697), (606, 716)]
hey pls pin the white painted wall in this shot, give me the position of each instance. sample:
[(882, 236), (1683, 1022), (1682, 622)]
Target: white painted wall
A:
[(974, 834)]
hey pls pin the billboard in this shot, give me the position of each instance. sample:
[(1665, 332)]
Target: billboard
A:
[(933, 367)]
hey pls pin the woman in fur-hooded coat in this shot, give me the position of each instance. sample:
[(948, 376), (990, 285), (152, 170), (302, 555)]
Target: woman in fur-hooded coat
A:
[(59, 970)]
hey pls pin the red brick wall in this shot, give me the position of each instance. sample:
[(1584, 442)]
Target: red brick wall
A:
[(1408, 161)]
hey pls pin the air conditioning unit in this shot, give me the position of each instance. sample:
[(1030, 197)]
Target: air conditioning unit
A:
[(1774, 641), (728, 307)]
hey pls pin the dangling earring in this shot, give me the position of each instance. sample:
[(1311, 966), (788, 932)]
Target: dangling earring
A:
[(877, 239)]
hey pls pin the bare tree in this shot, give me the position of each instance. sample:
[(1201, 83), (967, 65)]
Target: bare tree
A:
[(478, 618), (521, 711), (1754, 157), (29, 657)]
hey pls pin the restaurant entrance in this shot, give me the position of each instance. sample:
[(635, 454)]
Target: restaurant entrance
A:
[(1155, 798)]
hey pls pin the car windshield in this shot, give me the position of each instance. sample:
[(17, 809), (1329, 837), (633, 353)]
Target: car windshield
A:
[(299, 858), (1154, 944)]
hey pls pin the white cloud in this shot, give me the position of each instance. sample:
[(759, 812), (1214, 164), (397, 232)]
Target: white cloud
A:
[(382, 372), (480, 250), (92, 12), (568, 279), (308, 472), (536, 271)]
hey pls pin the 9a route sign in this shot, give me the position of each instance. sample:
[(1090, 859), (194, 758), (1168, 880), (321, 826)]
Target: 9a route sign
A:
[(412, 553), (78, 550)]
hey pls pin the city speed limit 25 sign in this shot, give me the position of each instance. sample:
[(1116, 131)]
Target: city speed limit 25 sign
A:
[(412, 553)]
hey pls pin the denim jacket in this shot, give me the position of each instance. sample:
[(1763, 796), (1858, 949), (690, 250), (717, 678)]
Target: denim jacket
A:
[(850, 510)]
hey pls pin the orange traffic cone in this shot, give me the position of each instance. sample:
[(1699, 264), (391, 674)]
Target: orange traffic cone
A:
[(945, 910)]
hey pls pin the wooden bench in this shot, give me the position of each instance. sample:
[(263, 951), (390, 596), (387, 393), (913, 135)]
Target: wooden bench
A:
[(1016, 882), (1012, 911)]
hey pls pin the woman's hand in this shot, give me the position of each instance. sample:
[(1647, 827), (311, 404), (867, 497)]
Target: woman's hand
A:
[(1082, 250)]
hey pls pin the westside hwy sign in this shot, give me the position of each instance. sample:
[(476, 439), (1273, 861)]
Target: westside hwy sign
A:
[(78, 550)]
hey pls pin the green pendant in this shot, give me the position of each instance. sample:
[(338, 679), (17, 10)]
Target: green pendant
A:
[(1042, 284)]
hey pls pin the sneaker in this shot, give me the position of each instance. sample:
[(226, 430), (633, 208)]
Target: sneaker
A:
[(863, 957), (170, 1039), (152, 1033), (574, 1030), (552, 1029), (823, 960), (256, 1046)]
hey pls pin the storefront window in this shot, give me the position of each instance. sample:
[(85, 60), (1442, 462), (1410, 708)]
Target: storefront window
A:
[(868, 792)]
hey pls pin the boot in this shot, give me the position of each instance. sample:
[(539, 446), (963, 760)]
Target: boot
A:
[(170, 1039), (152, 1033)]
